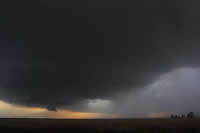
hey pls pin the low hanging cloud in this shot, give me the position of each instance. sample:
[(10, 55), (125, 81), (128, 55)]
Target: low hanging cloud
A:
[(56, 56)]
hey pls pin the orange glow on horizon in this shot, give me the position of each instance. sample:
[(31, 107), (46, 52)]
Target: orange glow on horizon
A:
[(9, 110), (62, 114), (158, 115)]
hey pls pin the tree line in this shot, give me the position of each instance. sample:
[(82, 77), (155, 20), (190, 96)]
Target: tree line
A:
[(189, 115)]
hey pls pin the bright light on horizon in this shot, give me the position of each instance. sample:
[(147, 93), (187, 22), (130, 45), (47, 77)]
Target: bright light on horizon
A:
[(13, 111)]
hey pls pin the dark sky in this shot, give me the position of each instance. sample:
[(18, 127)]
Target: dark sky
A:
[(58, 53)]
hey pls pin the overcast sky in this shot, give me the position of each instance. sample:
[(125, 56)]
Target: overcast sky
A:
[(108, 58)]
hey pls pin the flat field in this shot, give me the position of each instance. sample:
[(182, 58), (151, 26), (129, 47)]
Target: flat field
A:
[(99, 125)]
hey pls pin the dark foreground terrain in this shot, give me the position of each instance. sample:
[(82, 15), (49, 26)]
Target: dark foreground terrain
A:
[(100, 125)]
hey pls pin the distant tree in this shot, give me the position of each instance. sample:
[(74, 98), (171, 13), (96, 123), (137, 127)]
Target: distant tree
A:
[(190, 115), (176, 116), (182, 116)]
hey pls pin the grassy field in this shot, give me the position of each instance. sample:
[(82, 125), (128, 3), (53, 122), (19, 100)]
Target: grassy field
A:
[(100, 125)]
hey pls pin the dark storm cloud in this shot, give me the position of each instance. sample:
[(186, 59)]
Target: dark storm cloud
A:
[(59, 52)]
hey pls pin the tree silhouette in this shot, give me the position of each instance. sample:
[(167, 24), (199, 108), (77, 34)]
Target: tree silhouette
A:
[(182, 116), (190, 115), (172, 116)]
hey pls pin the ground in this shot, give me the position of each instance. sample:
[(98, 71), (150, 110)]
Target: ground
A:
[(100, 125)]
